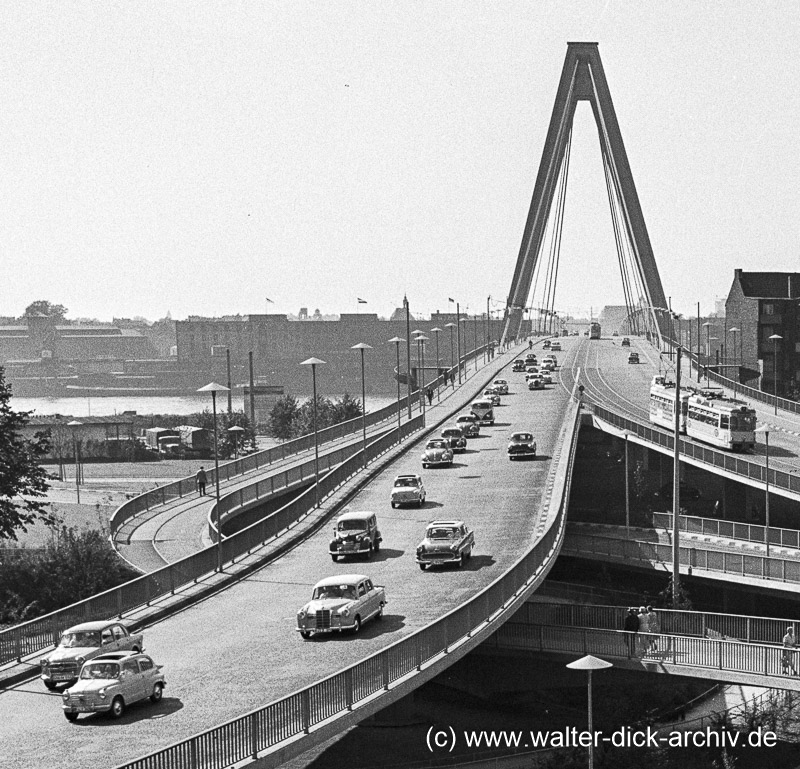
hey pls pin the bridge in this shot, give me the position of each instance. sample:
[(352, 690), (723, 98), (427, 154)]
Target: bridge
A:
[(242, 686)]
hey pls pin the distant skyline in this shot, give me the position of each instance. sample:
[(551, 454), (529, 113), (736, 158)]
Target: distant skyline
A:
[(212, 159)]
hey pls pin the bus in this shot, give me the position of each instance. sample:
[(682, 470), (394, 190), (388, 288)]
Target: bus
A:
[(594, 330), (483, 410)]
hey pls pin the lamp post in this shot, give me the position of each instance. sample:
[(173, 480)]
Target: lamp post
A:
[(408, 353), (707, 327), (420, 372), (765, 431), (236, 433), (215, 388), (475, 328), (458, 338), (775, 338), (452, 359), (676, 487), (397, 340), (362, 346), (627, 433), (75, 424), (590, 663), (421, 339), (735, 378), (438, 376), (314, 362), (464, 337)]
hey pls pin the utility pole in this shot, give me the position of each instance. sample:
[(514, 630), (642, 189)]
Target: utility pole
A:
[(676, 490)]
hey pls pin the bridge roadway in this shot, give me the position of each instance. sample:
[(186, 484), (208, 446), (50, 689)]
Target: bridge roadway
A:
[(721, 647), (238, 650)]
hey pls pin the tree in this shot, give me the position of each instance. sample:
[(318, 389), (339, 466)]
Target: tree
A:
[(22, 479), (43, 307), (346, 408), (281, 417)]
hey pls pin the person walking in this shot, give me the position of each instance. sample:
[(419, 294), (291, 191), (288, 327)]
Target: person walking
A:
[(787, 657), (430, 396), (201, 480), (654, 623), (631, 628), (644, 628)]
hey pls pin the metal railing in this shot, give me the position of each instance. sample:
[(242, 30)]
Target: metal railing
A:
[(683, 651), (40, 633), (244, 738), (714, 625), (714, 527), (778, 479), (739, 564)]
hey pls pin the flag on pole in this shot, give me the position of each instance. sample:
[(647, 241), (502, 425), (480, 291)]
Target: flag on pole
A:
[(361, 301), (450, 300), (269, 300)]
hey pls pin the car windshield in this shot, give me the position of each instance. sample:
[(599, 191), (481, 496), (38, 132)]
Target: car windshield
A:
[(406, 482), (80, 639), (451, 433), (100, 670), (521, 437), (334, 591), (441, 532), (436, 445), (352, 525), (470, 418)]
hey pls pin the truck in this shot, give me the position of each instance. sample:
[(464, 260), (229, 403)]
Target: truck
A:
[(164, 440), (195, 440)]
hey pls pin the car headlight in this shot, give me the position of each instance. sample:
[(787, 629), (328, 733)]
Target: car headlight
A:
[(345, 612), (80, 660), (454, 548), (301, 614), (102, 693), (44, 664), (65, 695)]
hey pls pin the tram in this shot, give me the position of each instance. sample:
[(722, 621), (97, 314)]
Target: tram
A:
[(594, 330), (662, 404)]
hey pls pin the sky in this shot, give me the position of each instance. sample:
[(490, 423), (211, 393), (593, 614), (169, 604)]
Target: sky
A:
[(202, 158)]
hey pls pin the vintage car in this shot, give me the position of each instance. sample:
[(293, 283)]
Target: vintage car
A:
[(501, 385), (532, 373), (550, 358), (548, 365), (547, 376), (536, 383), (491, 395), (518, 365), (84, 642), (469, 424), (546, 344), (408, 490), (625, 342), (454, 436), (355, 533), (521, 445), (633, 357), (445, 542), (615, 333), (532, 368), (530, 358), (111, 682), (556, 347), (343, 602), (483, 409), (437, 452)]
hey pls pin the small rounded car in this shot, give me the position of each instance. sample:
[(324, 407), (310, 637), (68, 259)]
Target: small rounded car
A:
[(521, 445), (437, 452), (469, 424), (110, 682), (343, 602), (633, 357), (546, 344), (536, 383), (445, 542), (355, 533), (547, 377), (530, 358), (532, 368), (625, 342), (492, 396), (534, 371), (548, 365), (556, 346), (454, 436), (83, 642), (518, 365), (501, 386), (408, 490)]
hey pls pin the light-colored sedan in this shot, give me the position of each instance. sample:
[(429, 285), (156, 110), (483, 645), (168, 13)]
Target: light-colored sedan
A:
[(437, 452), (491, 395), (469, 424), (501, 385), (536, 383), (408, 490), (343, 602), (445, 542), (547, 377), (111, 682)]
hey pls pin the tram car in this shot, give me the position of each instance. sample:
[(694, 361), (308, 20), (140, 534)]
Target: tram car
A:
[(662, 404), (594, 331)]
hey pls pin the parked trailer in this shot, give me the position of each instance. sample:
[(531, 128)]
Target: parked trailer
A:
[(157, 438), (195, 439)]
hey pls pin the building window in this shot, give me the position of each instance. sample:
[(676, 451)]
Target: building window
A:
[(769, 308)]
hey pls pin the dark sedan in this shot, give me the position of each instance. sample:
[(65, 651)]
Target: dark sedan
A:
[(521, 445)]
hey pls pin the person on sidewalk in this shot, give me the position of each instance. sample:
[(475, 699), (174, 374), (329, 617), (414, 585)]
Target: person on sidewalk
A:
[(787, 657), (201, 479), (644, 627), (654, 626), (631, 628), (429, 393)]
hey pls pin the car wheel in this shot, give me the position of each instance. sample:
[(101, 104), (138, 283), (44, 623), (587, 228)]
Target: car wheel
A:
[(534, 449), (158, 693), (117, 707), (460, 561), (356, 624), (70, 716), (394, 505), (379, 615), (305, 634), (468, 554), (136, 649), (422, 567), (369, 551), (334, 558), (424, 466), (377, 546), (51, 686)]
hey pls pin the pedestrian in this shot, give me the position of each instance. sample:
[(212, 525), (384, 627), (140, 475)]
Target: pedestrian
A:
[(716, 509), (201, 481), (644, 627), (787, 657), (530, 344), (430, 396), (631, 627), (654, 623)]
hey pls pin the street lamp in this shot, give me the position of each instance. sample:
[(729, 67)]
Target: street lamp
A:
[(75, 424), (707, 327), (215, 388), (236, 433), (734, 331), (627, 433), (397, 340), (458, 338), (775, 338), (421, 339), (362, 346), (590, 663), (464, 336), (451, 326), (765, 431), (438, 377), (313, 362)]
